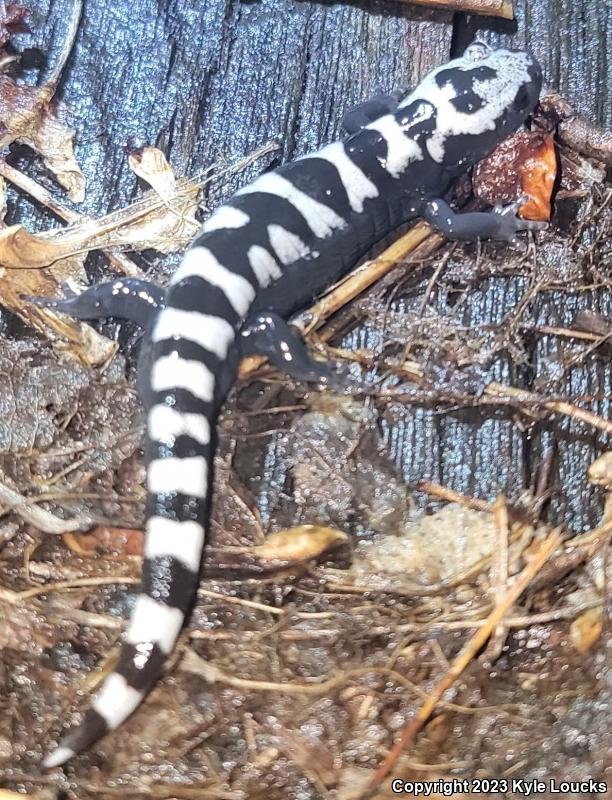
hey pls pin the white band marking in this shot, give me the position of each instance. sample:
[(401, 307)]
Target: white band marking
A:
[(181, 540), (154, 622), (186, 475), (263, 265), (165, 423), (199, 261), (357, 185), (287, 246), (212, 333), (171, 372), (321, 219), (225, 217), (116, 700), (401, 150)]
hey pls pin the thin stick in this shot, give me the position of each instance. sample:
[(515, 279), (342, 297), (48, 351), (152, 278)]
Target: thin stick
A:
[(465, 656), (12, 500), (559, 406), (573, 333), (444, 493), (499, 575), (365, 276), (78, 583), (487, 8), (53, 78), (118, 259), (413, 371)]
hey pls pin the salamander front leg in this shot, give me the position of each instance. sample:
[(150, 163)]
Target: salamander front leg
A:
[(126, 298), (269, 335), (501, 223), (372, 109)]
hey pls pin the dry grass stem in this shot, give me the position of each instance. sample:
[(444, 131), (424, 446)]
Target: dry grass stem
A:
[(499, 575), (119, 261), (467, 654)]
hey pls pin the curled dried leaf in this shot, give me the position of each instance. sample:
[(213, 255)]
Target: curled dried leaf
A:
[(296, 545), (54, 142), (90, 347), (20, 249), (524, 164), (147, 223), (27, 114), (586, 629), (152, 166)]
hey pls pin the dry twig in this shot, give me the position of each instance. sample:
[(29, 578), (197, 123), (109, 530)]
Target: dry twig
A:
[(522, 396), (444, 493), (487, 8), (13, 500), (499, 575), (467, 653), (119, 261)]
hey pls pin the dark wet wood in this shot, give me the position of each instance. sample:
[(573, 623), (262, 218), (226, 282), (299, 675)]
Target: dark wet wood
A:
[(212, 81)]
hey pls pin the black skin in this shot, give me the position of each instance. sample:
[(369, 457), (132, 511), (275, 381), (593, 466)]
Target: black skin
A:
[(501, 224), (265, 332)]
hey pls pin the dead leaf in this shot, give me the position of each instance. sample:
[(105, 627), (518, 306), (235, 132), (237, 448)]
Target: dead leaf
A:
[(524, 164), (54, 142), (295, 545), (585, 630), (91, 348), (152, 166), (104, 539), (600, 471), (20, 249), (27, 114)]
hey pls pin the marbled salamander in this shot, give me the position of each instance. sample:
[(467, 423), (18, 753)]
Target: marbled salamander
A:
[(267, 252)]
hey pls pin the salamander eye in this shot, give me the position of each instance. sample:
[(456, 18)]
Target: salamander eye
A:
[(477, 51)]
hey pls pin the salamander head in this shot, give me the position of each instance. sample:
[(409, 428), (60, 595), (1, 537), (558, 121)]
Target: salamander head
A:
[(479, 99)]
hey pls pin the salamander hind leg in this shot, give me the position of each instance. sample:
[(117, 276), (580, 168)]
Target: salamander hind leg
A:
[(267, 334), (127, 298)]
